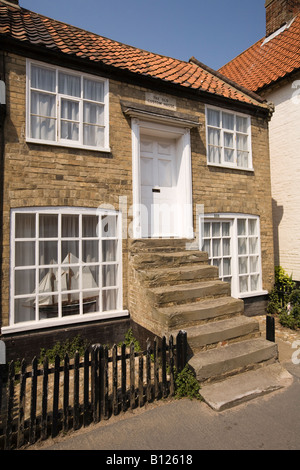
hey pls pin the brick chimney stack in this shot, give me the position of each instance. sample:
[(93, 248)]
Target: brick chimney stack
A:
[(280, 12)]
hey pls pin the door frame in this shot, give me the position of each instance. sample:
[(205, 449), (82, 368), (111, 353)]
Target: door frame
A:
[(183, 146)]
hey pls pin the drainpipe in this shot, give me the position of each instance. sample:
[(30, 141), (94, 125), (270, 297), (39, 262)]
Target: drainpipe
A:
[(2, 119)]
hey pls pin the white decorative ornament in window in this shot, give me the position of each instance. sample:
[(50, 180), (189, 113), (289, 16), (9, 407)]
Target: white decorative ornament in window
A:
[(66, 108)]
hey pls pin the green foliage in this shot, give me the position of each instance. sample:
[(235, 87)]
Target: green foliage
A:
[(290, 315), (129, 338), (186, 384), (70, 346), (279, 296)]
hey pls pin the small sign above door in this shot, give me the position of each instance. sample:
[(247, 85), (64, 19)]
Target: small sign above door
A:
[(161, 101)]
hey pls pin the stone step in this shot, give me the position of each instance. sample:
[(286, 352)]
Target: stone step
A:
[(185, 293), (185, 315), (215, 364), (159, 244), (246, 386), (160, 259), (180, 274), (213, 333)]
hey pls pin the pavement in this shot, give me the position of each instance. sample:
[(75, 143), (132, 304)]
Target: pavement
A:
[(269, 422)]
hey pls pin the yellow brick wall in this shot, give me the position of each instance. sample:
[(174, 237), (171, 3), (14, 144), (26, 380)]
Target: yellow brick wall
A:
[(42, 175)]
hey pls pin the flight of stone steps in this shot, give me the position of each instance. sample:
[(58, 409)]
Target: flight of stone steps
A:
[(181, 291)]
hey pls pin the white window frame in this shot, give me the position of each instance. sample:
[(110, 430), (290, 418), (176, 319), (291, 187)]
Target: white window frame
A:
[(234, 255), (224, 163), (81, 316), (58, 96)]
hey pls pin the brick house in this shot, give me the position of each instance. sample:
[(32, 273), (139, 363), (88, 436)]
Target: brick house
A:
[(131, 181), (271, 68)]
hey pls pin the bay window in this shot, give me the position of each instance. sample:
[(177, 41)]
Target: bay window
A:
[(233, 245), (65, 263), (228, 137), (66, 108)]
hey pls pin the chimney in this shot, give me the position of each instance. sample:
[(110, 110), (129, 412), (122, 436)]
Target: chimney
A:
[(280, 12)]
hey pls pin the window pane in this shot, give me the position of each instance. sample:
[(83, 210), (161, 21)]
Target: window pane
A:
[(241, 124), (48, 283), (254, 282), (44, 79), (90, 226), (43, 104), (242, 159), (48, 226), (109, 226), (24, 310), (93, 113), (214, 137), (42, 128), (253, 245), (93, 136), (69, 84), (216, 248), (226, 267), (226, 246), (70, 282), (91, 302), (228, 121), (242, 246), (93, 90), (206, 247), (213, 117), (252, 227), (241, 226), (207, 229), (242, 142), (229, 155), (70, 226), (70, 252), (90, 277), (216, 229), (25, 254), (69, 131), (109, 299), (109, 275), (48, 307), (70, 110), (253, 264), (243, 283), (226, 229), (25, 282), (228, 140), (25, 225), (90, 251), (109, 250), (243, 265), (214, 154), (48, 252)]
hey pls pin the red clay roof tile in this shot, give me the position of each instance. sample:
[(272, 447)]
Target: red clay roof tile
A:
[(23, 25), (266, 62)]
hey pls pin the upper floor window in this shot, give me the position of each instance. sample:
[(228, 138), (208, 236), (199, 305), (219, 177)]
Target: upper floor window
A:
[(66, 108), (228, 137)]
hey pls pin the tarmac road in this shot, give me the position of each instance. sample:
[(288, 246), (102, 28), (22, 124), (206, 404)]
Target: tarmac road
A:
[(270, 422)]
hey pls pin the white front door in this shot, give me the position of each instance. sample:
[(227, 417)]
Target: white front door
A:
[(158, 187)]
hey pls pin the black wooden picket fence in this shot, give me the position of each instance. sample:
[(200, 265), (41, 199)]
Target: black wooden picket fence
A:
[(40, 402)]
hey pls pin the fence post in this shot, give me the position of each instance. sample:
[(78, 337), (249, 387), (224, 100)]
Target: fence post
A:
[(270, 328), (181, 350)]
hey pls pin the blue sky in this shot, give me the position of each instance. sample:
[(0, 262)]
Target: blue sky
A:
[(213, 31)]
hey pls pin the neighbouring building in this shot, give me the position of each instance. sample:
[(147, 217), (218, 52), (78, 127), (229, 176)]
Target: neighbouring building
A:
[(271, 68), (128, 178)]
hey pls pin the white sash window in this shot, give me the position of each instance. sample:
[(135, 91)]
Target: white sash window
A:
[(228, 137), (66, 108), (65, 266), (232, 242)]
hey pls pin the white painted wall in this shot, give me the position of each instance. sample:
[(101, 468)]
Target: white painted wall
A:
[(285, 175)]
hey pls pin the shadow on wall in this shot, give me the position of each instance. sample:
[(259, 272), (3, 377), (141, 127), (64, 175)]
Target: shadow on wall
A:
[(277, 217)]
